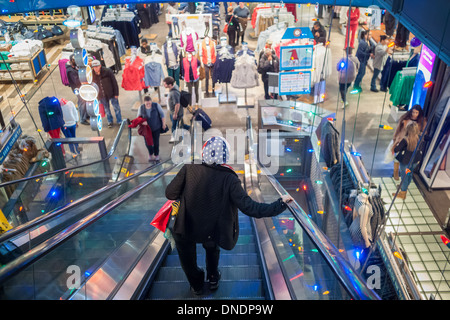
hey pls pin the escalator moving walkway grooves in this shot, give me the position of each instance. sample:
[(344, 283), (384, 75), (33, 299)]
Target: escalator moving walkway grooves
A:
[(241, 271)]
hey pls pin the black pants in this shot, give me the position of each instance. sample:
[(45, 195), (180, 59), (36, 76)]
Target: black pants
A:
[(209, 75), (233, 35), (154, 149), (343, 88), (195, 85), (187, 252)]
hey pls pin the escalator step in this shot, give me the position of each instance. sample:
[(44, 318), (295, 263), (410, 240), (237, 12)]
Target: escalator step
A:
[(228, 289), (228, 273), (239, 248), (172, 260)]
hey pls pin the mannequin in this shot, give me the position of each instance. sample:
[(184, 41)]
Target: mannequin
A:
[(172, 60), (207, 53), (189, 39), (360, 229), (191, 73)]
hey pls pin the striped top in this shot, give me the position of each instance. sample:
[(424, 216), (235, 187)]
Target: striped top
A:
[(355, 227)]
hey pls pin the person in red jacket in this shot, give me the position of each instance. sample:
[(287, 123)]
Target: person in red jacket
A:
[(353, 21)]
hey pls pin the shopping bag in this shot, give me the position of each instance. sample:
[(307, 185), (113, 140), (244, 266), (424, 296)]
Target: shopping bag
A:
[(102, 110), (173, 215), (162, 216), (388, 155)]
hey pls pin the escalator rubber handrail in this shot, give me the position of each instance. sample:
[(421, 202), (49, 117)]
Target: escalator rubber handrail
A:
[(350, 279), (51, 244), (110, 153), (48, 216)]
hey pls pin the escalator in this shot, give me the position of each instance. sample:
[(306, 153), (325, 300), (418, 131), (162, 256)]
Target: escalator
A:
[(114, 253), (43, 191)]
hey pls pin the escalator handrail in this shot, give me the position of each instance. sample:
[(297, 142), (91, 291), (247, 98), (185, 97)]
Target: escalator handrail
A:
[(50, 215), (349, 278), (51, 244), (110, 153)]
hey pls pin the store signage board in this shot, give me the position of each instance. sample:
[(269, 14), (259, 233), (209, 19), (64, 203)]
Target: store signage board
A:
[(293, 83), (200, 23), (423, 75), (296, 57), (297, 33)]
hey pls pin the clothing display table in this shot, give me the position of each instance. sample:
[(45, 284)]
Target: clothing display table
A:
[(24, 68)]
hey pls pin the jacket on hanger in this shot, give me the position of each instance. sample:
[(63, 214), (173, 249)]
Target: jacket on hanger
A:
[(245, 74), (133, 74), (51, 114)]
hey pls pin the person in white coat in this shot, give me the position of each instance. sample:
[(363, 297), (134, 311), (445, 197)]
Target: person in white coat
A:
[(71, 119)]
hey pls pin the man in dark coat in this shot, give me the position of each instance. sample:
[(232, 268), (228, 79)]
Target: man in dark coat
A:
[(210, 195), (269, 62), (75, 84), (108, 91)]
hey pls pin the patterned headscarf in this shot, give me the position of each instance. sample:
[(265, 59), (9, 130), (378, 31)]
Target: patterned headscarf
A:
[(216, 151)]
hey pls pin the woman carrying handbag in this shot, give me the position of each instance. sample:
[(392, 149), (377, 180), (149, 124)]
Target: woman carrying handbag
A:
[(210, 195), (232, 28)]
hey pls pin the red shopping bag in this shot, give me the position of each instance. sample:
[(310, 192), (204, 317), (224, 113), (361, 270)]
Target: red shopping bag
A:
[(162, 216), (102, 110)]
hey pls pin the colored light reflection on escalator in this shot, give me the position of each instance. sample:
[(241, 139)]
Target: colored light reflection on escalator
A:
[(301, 274), (288, 150), (385, 127), (356, 154)]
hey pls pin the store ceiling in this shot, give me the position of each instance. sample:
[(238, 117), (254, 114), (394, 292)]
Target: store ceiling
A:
[(427, 20)]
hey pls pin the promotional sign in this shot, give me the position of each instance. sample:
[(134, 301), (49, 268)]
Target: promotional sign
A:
[(292, 83), (296, 57), (423, 75), (200, 23), (9, 144)]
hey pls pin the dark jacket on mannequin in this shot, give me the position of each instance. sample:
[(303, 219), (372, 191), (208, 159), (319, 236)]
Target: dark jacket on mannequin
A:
[(210, 196)]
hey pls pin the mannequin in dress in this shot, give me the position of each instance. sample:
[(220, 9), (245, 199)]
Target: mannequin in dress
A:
[(360, 229)]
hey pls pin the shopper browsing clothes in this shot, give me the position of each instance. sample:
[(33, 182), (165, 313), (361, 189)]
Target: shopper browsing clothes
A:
[(380, 51), (154, 118), (108, 91), (210, 195), (414, 115), (70, 115), (347, 73), (269, 62), (363, 54), (75, 84), (405, 151), (173, 102), (319, 33), (243, 14)]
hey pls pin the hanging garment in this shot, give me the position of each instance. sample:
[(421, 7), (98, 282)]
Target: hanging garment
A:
[(51, 114), (154, 74), (402, 36), (401, 88), (329, 137), (171, 56), (63, 72), (322, 63), (389, 22), (245, 74), (133, 74)]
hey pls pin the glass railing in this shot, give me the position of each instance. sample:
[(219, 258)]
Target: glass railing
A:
[(28, 236), (102, 246), (25, 199)]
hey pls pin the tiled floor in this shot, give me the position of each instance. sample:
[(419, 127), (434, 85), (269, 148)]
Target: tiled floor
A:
[(418, 234)]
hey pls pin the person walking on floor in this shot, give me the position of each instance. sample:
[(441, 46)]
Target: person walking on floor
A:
[(75, 84), (173, 102), (108, 91), (269, 62), (380, 51), (415, 114), (347, 74), (353, 21), (405, 151), (243, 14), (233, 28), (363, 54), (210, 195), (154, 116)]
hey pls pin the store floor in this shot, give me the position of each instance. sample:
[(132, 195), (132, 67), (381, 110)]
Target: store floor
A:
[(366, 111)]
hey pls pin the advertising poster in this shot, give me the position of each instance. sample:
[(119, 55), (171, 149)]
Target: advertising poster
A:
[(423, 75), (296, 57), (200, 23), (292, 83)]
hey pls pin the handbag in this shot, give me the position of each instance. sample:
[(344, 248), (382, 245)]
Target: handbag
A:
[(225, 28), (388, 155), (162, 216)]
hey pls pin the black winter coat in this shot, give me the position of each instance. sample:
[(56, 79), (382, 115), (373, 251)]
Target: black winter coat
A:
[(107, 84), (210, 197), (72, 76)]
